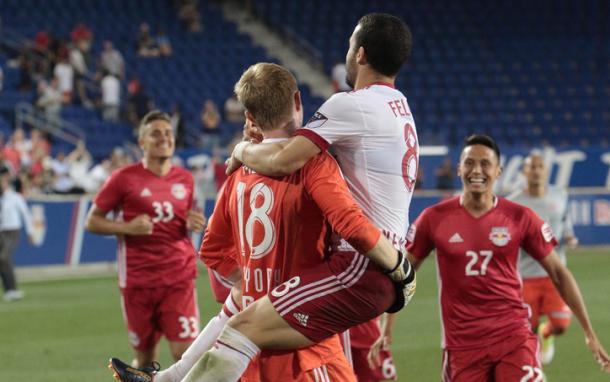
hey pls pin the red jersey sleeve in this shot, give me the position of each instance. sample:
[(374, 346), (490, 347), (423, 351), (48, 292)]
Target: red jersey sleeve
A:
[(218, 250), (419, 236), (112, 192), (323, 182), (538, 237)]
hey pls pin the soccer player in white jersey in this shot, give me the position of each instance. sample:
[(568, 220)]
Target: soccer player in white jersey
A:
[(551, 204), (373, 136)]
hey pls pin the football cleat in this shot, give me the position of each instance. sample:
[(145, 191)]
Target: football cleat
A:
[(125, 373), (547, 349)]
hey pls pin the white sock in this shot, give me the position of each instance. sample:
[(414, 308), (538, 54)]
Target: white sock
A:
[(227, 360), (203, 343)]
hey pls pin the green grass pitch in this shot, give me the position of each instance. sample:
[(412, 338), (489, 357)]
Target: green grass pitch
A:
[(65, 330)]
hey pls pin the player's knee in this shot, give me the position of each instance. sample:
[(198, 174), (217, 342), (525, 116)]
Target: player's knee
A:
[(559, 326), (559, 330)]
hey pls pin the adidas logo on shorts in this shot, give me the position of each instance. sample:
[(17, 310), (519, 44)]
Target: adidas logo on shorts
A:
[(302, 318)]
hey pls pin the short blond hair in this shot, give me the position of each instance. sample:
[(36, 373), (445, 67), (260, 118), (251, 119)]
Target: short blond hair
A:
[(266, 90)]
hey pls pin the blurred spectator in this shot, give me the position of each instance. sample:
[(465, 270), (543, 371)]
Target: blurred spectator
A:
[(445, 175), (338, 75), (210, 122), (14, 215), (202, 168), (234, 110), (11, 158), (189, 15), (62, 183), (80, 161), (138, 102), (26, 71), (43, 41), (111, 96), (102, 171), (177, 123), (219, 169), (39, 141), (163, 43), (39, 183), (40, 161), (49, 99), (65, 77), (146, 45), (80, 61), (17, 151), (112, 60), (81, 32), (1, 78)]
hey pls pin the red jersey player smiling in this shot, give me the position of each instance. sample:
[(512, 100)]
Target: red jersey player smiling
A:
[(157, 263), (486, 333)]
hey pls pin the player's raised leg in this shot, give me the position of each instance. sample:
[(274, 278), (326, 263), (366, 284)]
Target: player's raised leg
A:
[(179, 369), (259, 325)]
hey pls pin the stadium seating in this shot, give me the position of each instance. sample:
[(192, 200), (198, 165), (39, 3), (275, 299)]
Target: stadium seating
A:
[(525, 72), (203, 66)]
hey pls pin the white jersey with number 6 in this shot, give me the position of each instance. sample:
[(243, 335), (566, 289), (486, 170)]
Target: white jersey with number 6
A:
[(373, 135)]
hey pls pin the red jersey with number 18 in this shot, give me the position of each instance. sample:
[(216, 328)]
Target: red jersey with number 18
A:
[(479, 284), (167, 256), (274, 228)]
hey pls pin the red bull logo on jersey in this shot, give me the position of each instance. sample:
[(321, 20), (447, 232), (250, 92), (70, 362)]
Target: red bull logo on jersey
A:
[(499, 236), (179, 191)]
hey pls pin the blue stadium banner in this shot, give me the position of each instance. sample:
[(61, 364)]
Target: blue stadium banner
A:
[(60, 237), (570, 167)]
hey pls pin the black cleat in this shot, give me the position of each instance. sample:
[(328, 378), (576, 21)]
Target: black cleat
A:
[(125, 373)]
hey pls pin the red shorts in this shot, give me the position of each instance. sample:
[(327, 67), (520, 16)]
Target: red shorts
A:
[(513, 359), (221, 286), (344, 291), (286, 368), (363, 336), (360, 340), (151, 312), (544, 300), (385, 372)]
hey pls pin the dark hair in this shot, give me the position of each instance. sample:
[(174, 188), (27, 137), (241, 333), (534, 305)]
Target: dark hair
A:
[(4, 170), (151, 116), (485, 140), (386, 40)]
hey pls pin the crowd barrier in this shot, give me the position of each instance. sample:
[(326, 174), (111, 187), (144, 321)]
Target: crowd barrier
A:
[(60, 237)]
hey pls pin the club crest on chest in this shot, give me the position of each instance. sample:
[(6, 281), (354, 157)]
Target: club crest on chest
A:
[(179, 191), (499, 236)]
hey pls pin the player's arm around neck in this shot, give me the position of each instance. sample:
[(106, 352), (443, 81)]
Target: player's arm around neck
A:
[(568, 289), (277, 158)]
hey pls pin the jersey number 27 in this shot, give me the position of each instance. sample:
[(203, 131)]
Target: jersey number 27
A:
[(477, 266)]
